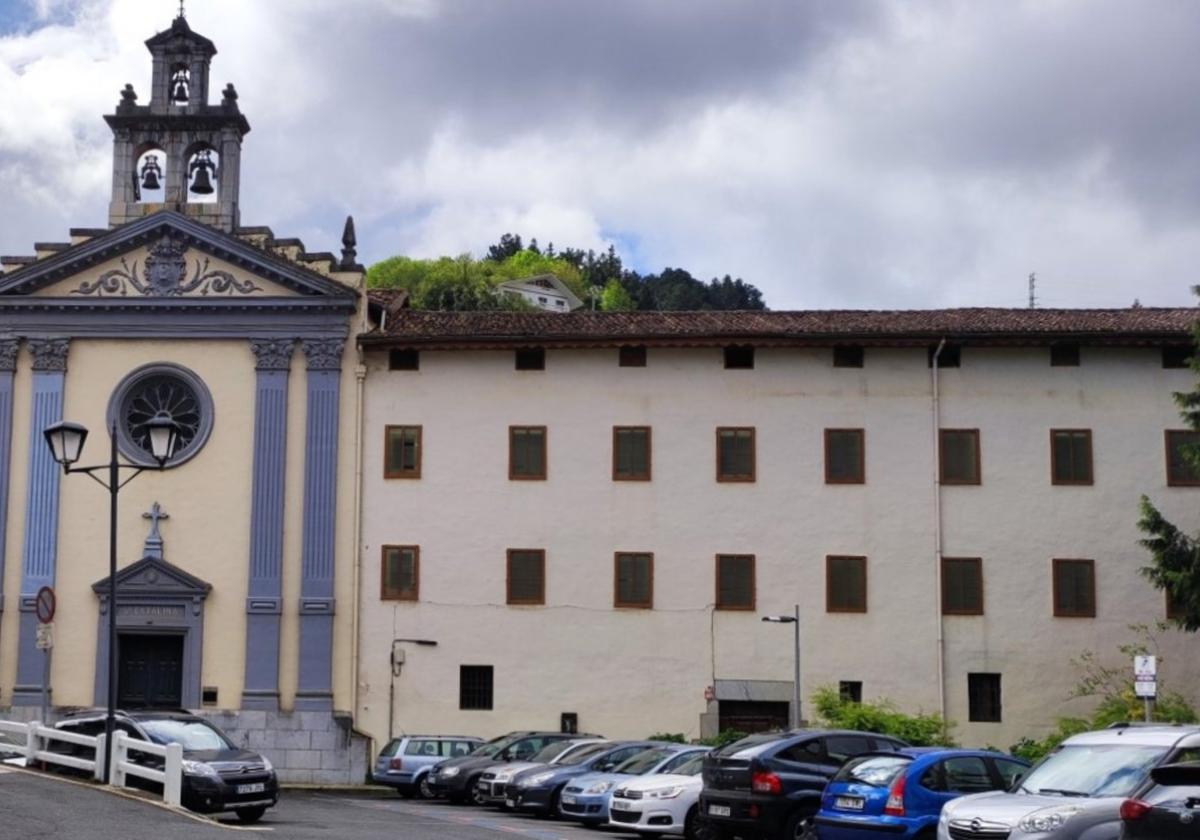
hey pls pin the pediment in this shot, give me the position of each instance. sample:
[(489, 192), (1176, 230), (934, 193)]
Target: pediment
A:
[(168, 257), (152, 577)]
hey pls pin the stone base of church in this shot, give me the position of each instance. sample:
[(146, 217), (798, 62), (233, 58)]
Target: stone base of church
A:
[(318, 748)]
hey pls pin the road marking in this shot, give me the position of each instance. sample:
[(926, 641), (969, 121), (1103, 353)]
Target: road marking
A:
[(490, 823)]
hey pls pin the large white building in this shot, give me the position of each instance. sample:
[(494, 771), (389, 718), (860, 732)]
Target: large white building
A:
[(590, 513)]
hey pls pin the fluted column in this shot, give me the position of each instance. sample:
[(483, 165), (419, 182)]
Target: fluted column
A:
[(315, 689), (264, 603), (40, 548)]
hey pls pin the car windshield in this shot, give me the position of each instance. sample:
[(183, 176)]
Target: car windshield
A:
[(748, 746), (691, 767), (643, 762), (873, 770), (1092, 770), (551, 751), (493, 746), (192, 735), (580, 756)]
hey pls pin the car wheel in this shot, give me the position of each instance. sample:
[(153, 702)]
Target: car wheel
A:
[(704, 829), (691, 827), (250, 815), (473, 793), (800, 827), (424, 790), (551, 812)]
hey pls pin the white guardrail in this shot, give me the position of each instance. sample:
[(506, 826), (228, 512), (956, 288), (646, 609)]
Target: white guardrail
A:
[(33, 742)]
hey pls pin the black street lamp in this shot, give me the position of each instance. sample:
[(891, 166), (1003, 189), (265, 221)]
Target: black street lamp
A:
[(793, 620), (66, 445)]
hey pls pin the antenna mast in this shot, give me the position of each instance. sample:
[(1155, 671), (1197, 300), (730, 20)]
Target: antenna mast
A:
[(1033, 290)]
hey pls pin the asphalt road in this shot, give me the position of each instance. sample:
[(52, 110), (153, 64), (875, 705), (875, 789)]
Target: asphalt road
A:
[(33, 807)]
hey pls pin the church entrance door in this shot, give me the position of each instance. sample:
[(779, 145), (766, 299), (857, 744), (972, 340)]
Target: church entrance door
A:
[(150, 671)]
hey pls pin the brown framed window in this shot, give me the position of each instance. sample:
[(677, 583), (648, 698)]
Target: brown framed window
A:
[(848, 356), (1181, 472), (850, 690), (1075, 588), (530, 358), (1177, 356), (958, 456), (475, 686), (633, 579), (845, 584), (735, 453), (402, 452), (1064, 355), (962, 586), (631, 453), (983, 698), (1175, 608), (631, 355), (845, 456), (739, 357), (404, 359), (735, 581), (527, 453), (400, 573), (1071, 456), (526, 576)]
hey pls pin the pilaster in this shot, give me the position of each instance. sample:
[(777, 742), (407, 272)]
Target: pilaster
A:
[(315, 688), (40, 547), (264, 604), (8, 365)]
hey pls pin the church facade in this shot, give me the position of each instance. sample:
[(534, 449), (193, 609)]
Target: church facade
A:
[(235, 592)]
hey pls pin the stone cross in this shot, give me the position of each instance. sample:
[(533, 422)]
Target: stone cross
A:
[(154, 540)]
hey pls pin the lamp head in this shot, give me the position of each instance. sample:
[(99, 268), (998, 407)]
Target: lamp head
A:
[(66, 442), (164, 437)]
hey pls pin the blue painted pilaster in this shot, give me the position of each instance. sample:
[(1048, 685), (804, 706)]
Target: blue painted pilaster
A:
[(40, 546), (8, 364), (315, 689), (264, 603)]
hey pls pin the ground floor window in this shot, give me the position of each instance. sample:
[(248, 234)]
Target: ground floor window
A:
[(475, 687), (983, 698)]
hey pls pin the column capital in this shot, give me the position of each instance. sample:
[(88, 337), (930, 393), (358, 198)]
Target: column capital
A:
[(8, 354), (272, 353), (49, 354), (324, 353)]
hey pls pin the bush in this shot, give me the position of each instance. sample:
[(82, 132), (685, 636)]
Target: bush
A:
[(881, 716), (727, 736), (672, 737)]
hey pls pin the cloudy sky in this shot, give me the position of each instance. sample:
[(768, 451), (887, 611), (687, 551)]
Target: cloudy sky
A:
[(835, 154)]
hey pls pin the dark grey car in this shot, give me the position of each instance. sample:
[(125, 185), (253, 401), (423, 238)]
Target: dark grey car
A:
[(1168, 808)]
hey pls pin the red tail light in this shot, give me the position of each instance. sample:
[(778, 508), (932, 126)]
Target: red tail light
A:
[(895, 800), (764, 782), (396, 764), (1134, 809)]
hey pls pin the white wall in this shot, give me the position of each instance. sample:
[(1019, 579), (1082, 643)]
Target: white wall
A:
[(633, 672)]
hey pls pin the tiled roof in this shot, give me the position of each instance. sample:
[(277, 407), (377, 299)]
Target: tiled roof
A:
[(915, 326)]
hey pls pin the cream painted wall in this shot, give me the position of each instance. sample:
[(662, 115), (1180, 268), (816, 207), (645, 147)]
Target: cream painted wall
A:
[(629, 672)]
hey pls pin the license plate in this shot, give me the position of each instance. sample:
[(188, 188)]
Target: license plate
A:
[(621, 805), (848, 803), (256, 788), (718, 810), (511, 803), (568, 799)]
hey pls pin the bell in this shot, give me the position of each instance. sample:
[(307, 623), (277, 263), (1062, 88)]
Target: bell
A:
[(180, 94), (150, 173), (201, 185)]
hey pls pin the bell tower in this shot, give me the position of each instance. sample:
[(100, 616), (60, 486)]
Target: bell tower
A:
[(177, 152)]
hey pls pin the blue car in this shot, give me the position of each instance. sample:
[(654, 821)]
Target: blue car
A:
[(901, 794), (585, 798)]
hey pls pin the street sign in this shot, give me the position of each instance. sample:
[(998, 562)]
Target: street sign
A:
[(45, 636), (1145, 666), (45, 605), (1145, 678)]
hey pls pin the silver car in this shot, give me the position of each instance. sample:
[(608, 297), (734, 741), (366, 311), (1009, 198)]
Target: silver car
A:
[(1075, 793)]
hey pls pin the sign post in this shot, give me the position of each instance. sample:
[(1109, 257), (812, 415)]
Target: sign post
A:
[(45, 605), (1145, 681)]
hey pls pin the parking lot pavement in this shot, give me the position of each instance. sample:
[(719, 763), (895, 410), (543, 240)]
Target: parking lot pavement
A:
[(34, 807)]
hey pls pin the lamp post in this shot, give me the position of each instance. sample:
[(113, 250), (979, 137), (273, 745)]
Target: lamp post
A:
[(66, 445), (793, 620)]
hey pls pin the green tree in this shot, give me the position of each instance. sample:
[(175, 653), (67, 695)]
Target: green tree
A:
[(614, 298), (1175, 555)]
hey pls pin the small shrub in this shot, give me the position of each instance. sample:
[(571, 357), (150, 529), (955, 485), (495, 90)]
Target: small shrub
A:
[(726, 736), (881, 716), (672, 737)]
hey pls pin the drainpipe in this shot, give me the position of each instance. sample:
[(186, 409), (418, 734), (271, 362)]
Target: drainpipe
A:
[(937, 531)]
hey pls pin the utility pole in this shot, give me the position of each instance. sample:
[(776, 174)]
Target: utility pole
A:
[(1032, 290)]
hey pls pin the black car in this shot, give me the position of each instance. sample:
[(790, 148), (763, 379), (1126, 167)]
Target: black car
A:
[(540, 789), (769, 784), (1168, 808), (456, 778), (218, 776)]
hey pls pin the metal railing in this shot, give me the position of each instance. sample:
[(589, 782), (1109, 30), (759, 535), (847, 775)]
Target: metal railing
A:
[(33, 741)]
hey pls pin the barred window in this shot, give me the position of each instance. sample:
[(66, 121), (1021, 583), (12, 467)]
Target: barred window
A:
[(983, 698), (634, 580), (631, 355), (962, 586), (958, 456), (845, 584), (1071, 456), (1075, 588), (404, 359), (527, 453), (1064, 355), (850, 690), (735, 581), (739, 356), (475, 686), (1182, 471), (402, 452), (848, 356), (400, 573), (844, 456), (631, 453), (526, 576), (735, 453), (530, 358)]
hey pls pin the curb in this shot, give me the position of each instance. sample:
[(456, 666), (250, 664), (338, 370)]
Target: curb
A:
[(377, 791)]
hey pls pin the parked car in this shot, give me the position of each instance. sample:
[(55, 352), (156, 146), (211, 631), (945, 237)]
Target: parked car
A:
[(1167, 807), (660, 803), (456, 778), (901, 794), (538, 790), (586, 798), (404, 763), (218, 776), (1075, 793), (492, 783), (769, 784)]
